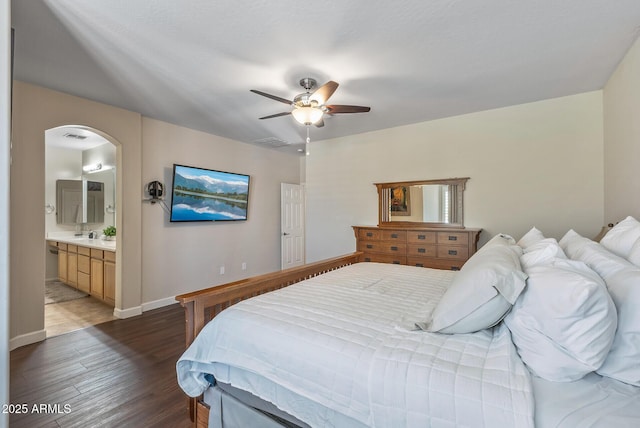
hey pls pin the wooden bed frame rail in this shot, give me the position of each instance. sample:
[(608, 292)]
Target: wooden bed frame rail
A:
[(202, 306)]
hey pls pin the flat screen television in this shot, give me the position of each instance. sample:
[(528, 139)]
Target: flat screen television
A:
[(200, 194)]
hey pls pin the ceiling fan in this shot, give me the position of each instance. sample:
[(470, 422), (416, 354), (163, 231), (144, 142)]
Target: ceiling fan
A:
[(309, 107)]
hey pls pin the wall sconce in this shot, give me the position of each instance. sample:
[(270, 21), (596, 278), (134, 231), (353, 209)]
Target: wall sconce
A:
[(96, 167)]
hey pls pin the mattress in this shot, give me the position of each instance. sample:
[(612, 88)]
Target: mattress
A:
[(341, 349)]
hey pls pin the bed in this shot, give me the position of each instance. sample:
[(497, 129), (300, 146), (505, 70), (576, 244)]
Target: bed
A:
[(340, 343)]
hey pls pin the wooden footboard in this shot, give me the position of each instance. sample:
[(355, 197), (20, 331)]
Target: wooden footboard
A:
[(202, 306)]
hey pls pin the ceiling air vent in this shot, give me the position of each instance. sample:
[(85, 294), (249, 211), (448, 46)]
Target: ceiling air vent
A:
[(75, 136), (272, 142)]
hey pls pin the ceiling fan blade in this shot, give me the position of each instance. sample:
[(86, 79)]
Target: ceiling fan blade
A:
[(273, 97), (319, 124), (333, 109), (284, 113), (322, 94)]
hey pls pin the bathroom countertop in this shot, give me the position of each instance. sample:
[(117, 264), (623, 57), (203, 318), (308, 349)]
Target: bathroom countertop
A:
[(84, 241)]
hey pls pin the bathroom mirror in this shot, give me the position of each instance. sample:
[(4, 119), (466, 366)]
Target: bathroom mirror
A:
[(79, 201), (423, 203)]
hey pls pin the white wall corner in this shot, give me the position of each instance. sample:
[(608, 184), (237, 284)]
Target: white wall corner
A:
[(27, 339), (127, 313)]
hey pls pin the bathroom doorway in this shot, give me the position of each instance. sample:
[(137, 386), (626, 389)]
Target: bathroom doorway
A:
[(80, 203)]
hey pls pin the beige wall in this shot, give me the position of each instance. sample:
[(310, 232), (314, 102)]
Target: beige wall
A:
[(158, 259), (622, 139), (182, 257), (532, 164), (36, 109)]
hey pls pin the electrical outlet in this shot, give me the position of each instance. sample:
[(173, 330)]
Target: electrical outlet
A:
[(244, 265), (222, 270)]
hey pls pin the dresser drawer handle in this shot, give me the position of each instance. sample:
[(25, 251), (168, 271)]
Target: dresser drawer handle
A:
[(420, 264), (422, 236), (394, 235), (369, 234), (422, 250), (453, 252), (455, 268), (367, 259), (453, 238), (396, 262), (394, 248), (369, 246)]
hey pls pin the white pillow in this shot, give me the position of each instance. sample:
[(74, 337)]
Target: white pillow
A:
[(542, 252), (572, 241), (499, 239), (623, 361), (481, 293), (623, 282), (598, 258), (564, 322), (531, 237), (634, 255), (621, 238)]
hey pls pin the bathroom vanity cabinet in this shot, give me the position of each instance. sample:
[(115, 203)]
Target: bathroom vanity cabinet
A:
[(91, 270)]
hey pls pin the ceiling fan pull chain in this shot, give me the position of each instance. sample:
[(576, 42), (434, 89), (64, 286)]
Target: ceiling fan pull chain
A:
[(308, 139)]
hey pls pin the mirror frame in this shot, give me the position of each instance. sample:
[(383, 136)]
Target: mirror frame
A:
[(384, 203)]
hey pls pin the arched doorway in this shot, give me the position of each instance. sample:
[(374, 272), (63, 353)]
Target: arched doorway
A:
[(81, 201)]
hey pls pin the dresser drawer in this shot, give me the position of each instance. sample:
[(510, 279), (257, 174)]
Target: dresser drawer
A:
[(435, 263), (452, 252), (414, 237), (394, 235), (382, 247), (396, 259), (453, 238), (421, 250), (370, 234)]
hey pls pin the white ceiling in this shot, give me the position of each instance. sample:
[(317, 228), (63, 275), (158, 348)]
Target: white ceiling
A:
[(192, 62), (73, 138)]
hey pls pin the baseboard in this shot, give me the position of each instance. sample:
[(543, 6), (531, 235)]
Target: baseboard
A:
[(27, 339), (148, 306), (127, 313)]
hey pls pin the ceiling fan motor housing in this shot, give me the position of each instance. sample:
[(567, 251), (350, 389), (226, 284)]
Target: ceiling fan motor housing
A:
[(308, 83)]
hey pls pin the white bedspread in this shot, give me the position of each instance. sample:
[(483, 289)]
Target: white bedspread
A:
[(341, 347)]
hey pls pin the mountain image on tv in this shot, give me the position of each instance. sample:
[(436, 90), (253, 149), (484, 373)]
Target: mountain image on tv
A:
[(208, 195)]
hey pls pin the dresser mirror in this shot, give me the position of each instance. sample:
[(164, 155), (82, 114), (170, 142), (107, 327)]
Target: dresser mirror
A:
[(424, 203)]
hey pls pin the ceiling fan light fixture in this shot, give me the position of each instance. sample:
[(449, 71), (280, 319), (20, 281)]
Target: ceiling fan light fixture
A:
[(307, 115)]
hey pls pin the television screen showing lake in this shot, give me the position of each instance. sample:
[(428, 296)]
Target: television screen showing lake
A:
[(208, 195)]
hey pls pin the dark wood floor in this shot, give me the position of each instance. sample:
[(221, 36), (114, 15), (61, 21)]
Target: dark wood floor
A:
[(117, 374)]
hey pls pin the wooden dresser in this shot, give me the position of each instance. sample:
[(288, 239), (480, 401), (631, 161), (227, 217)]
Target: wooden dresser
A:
[(439, 248)]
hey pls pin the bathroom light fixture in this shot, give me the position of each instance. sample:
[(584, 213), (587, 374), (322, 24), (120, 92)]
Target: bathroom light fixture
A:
[(307, 115), (92, 168)]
